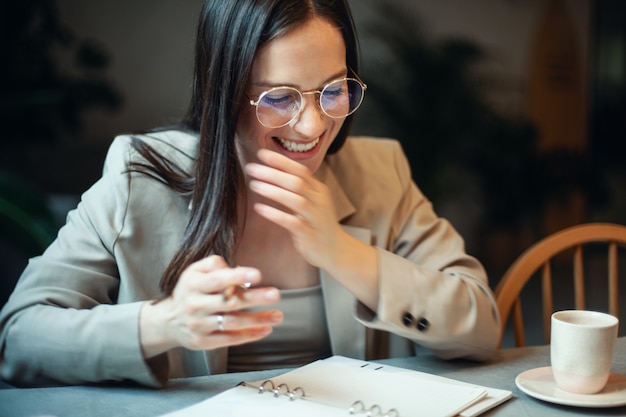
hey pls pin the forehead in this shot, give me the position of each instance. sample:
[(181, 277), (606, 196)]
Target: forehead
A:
[(304, 56)]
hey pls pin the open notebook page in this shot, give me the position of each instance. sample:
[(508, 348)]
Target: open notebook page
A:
[(494, 396), (332, 386)]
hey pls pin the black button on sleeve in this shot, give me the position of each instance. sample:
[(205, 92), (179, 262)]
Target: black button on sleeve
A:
[(423, 324), (407, 319)]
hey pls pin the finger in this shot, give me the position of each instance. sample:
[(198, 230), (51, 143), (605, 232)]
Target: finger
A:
[(250, 298), (283, 163), (218, 280), (294, 182), (222, 339), (295, 202), (203, 305), (238, 321), (203, 331)]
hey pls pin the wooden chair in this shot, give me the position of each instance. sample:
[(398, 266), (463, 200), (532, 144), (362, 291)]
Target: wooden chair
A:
[(539, 256)]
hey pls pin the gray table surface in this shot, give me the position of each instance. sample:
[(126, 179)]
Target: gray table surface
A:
[(125, 400)]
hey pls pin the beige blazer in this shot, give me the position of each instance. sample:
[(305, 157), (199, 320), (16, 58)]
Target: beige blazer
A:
[(73, 317)]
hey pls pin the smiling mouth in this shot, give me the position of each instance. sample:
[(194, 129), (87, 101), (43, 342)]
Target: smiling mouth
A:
[(297, 146)]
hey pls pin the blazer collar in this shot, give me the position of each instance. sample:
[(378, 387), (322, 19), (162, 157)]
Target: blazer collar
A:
[(343, 206)]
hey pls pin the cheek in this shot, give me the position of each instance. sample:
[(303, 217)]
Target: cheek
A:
[(249, 130), (251, 135), (246, 125), (336, 128)]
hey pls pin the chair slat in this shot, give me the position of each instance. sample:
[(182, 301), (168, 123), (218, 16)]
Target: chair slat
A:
[(548, 303), (518, 323), (613, 284), (579, 279)]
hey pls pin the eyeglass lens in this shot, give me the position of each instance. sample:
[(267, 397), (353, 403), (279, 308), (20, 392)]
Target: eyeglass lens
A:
[(279, 106)]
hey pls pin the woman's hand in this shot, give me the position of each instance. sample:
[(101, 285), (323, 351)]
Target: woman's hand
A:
[(299, 203), (199, 316)]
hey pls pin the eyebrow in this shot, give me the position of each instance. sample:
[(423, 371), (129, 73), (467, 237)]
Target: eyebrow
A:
[(267, 84)]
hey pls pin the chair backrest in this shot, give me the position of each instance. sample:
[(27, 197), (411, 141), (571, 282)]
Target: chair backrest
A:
[(539, 256)]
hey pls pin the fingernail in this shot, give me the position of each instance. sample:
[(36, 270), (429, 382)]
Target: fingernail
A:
[(272, 294), (277, 317), (251, 168), (251, 274), (256, 185)]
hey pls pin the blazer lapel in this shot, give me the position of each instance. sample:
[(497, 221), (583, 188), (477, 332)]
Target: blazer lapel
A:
[(343, 205), (347, 335)]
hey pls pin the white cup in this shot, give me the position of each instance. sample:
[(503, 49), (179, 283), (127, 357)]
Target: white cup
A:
[(581, 349)]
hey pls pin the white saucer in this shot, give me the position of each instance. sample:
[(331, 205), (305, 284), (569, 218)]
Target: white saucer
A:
[(540, 384)]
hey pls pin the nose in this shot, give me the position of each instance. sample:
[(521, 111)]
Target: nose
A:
[(311, 121)]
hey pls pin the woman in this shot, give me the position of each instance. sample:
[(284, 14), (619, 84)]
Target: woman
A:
[(258, 188)]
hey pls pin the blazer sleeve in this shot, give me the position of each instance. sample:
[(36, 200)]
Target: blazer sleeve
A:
[(62, 324), (431, 291)]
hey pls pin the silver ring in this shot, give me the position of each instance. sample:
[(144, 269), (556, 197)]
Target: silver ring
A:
[(220, 322)]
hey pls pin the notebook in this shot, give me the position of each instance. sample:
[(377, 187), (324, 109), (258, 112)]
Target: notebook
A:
[(340, 387)]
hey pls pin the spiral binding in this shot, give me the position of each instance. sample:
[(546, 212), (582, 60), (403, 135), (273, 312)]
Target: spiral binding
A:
[(358, 407), (282, 389)]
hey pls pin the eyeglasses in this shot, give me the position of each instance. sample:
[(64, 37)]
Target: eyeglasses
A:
[(279, 106)]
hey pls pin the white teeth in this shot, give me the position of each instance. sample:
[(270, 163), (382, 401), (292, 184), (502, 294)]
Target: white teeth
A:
[(298, 146)]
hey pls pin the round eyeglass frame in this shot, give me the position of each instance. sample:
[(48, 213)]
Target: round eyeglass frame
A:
[(301, 95)]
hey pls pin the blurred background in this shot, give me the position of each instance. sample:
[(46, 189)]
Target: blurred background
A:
[(512, 112)]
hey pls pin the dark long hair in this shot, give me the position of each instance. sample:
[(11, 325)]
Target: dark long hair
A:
[(230, 32)]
